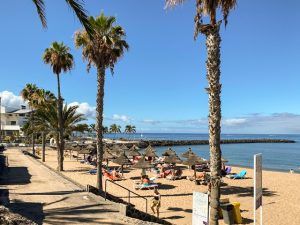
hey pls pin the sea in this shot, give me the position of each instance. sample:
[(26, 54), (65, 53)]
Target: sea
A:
[(276, 156)]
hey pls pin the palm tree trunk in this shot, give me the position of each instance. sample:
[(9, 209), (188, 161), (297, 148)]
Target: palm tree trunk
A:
[(60, 146), (32, 127), (43, 145), (99, 123), (213, 41)]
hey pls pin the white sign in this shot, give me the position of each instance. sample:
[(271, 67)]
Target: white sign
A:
[(200, 208), (258, 185)]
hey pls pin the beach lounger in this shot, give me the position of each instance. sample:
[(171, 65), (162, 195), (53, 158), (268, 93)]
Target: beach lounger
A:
[(93, 171), (138, 186), (240, 175)]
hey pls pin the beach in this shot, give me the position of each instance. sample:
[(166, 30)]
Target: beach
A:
[(281, 193)]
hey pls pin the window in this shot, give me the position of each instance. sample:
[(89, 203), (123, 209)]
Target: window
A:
[(13, 122), (22, 114)]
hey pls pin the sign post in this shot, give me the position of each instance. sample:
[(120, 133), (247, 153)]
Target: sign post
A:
[(257, 186), (200, 208)]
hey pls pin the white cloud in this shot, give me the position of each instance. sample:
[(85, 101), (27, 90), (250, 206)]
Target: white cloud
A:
[(9, 99), (86, 109), (234, 121), (152, 122), (123, 118)]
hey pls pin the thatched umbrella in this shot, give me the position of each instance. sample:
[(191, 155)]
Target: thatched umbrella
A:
[(76, 148), (133, 153), (188, 153), (150, 152), (193, 160), (124, 147), (134, 147), (169, 152), (143, 164), (116, 150), (172, 159), (122, 160)]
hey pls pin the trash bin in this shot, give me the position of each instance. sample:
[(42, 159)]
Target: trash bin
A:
[(227, 211), (237, 213)]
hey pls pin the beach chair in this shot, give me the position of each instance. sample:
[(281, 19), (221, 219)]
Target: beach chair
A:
[(145, 186), (176, 176), (240, 175), (92, 171), (228, 170)]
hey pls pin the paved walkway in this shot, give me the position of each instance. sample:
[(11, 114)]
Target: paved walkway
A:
[(42, 196)]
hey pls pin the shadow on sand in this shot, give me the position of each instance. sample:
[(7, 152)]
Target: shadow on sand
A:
[(244, 191)]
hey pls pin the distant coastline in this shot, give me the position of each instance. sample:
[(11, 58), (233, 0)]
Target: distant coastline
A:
[(144, 143)]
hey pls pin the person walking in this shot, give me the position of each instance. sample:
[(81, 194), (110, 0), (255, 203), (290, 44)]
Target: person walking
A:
[(156, 202)]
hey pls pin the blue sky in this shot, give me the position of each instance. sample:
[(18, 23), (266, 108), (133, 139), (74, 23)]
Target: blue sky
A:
[(159, 84)]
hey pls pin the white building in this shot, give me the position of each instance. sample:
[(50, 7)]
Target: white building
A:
[(13, 119)]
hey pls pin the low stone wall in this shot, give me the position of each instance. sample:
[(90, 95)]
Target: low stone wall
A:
[(128, 210)]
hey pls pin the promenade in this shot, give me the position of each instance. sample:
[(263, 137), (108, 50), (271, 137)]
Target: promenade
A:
[(42, 196)]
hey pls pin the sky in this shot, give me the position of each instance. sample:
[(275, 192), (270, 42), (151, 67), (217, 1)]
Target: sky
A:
[(159, 84)]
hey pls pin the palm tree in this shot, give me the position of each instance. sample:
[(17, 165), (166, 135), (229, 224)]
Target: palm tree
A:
[(213, 40), (45, 97), (103, 51), (114, 128), (29, 93), (75, 5), (60, 59), (130, 129), (47, 120), (105, 130)]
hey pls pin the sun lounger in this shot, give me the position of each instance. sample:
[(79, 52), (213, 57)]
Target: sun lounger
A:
[(240, 175), (145, 186), (92, 171)]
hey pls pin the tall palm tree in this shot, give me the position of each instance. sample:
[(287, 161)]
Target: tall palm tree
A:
[(103, 51), (29, 93), (129, 129), (75, 5), (60, 60), (114, 128), (213, 41)]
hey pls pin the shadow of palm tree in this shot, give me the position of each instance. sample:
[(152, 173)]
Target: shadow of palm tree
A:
[(245, 191)]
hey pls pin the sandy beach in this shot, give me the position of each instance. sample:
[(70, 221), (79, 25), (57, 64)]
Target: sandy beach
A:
[(280, 202)]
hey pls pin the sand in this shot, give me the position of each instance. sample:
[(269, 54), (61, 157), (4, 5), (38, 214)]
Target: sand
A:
[(280, 202)]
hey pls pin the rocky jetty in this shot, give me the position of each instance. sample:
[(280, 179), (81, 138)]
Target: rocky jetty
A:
[(145, 143)]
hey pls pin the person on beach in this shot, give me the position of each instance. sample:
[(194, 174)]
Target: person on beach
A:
[(156, 202)]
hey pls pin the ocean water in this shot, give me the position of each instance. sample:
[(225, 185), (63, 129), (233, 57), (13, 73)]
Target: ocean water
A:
[(276, 156)]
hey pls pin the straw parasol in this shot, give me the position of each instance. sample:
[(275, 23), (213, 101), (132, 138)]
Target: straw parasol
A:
[(90, 147), (122, 160), (134, 147), (143, 164), (116, 150), (124, 147), (169, 152), (172, 159), (150, 152), (193, 160), (188, 153), (133, 153)]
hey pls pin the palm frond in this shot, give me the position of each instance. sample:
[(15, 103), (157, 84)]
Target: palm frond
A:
[(40, 8), (81, 13)]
